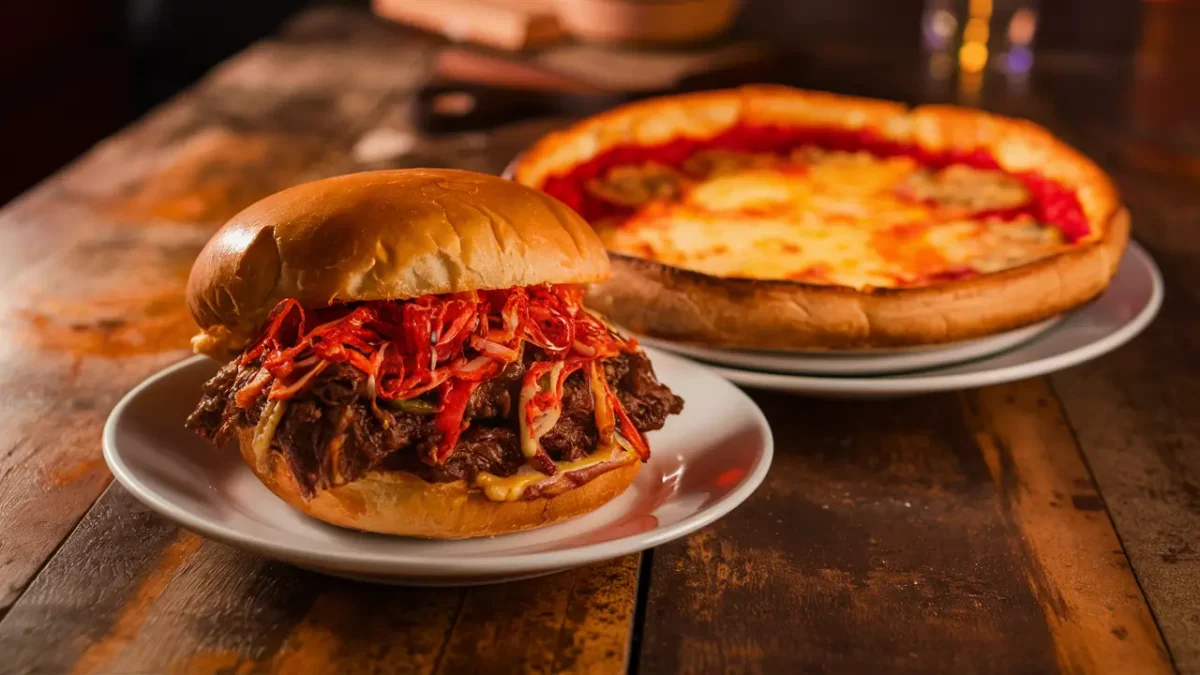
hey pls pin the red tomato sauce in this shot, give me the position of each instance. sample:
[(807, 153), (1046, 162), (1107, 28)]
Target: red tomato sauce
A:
[(1052, 202)]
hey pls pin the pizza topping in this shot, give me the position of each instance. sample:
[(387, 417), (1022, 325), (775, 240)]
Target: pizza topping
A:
[(967, 188), (948, 274), (907, 245), (1056, 203), (814, 274), (750, 191), (812, 155), (717, 163), (823, 205), (636, 185), (995, 245)]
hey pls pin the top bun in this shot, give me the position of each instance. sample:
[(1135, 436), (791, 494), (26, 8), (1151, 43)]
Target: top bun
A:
[(383, 235)]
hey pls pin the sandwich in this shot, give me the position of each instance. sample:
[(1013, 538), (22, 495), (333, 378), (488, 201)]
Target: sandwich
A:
[(407, 352)]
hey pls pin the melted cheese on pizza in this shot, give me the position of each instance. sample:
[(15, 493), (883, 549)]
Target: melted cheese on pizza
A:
[(827, 217)]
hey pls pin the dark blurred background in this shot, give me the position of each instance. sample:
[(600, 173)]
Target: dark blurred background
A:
[(74, 71)]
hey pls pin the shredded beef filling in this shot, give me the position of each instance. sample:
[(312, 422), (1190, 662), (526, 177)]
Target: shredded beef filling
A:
[(329, 433)]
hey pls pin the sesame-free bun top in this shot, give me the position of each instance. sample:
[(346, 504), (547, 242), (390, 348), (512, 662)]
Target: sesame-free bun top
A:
[(383, 235)]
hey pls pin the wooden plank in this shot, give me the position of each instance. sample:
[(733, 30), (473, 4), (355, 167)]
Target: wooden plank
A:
[(878, 540), (1134, 411), (573, 622), (94, 260), (1080, 574), (67, 354), (128, 592), (882, 542)]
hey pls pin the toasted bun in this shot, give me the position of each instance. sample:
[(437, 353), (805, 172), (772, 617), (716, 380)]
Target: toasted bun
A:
[(383, 235), (398, 502)]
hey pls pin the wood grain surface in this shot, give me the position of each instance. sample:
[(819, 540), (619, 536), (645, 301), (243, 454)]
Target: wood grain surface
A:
[(129, 593), (1045, 526), (1134, 411), (908, 536)]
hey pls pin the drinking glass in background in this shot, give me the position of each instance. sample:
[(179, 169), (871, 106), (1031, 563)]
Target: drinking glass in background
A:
[(967, 43)]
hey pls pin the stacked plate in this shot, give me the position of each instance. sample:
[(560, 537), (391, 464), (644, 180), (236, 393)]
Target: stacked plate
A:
[(1119, 314)]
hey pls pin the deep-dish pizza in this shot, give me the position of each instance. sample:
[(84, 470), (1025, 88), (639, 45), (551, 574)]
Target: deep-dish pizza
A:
[(769, 217)]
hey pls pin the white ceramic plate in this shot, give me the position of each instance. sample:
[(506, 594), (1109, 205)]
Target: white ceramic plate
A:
[(705, 462), (1116, 317), (855, 362)]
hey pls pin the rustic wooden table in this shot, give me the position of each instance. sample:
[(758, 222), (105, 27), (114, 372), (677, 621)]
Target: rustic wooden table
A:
[(1050, 525)]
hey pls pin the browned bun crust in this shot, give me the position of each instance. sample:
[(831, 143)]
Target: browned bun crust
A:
[(400, 503), (382, 235), (673, 303)]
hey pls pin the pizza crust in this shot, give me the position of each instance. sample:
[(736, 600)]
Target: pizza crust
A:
[(676, 304), (684, 306)]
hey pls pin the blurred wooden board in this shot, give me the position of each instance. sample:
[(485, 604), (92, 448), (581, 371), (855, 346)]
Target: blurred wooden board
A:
[(960, 533), (504, 24), (584, 68)]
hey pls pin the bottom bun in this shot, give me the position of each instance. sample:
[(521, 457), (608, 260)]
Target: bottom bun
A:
[(398, 502)]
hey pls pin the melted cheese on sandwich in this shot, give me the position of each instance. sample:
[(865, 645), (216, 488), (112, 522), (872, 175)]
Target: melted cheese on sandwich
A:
[(512, 488)]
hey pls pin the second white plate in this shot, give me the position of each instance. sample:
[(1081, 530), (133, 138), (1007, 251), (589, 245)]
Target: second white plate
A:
[(856, 362), (1116, 317)]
